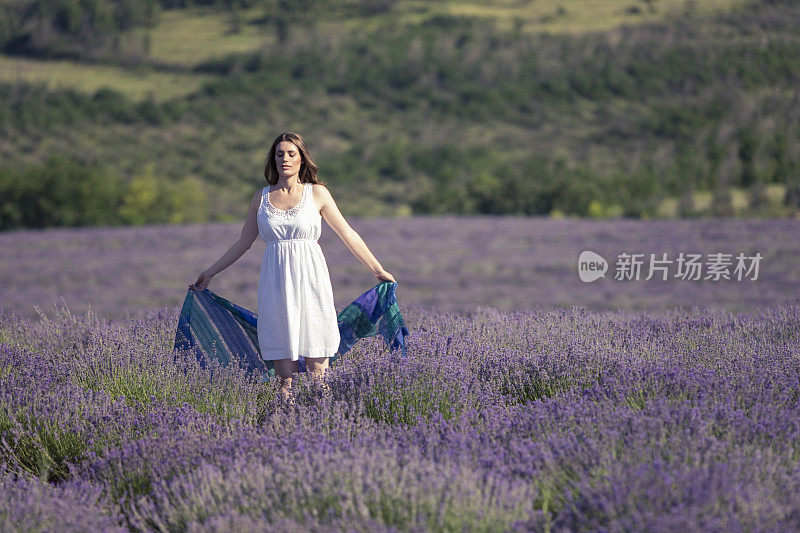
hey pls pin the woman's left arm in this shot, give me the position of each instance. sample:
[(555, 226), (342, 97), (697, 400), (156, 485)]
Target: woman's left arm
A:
[(330, 212)]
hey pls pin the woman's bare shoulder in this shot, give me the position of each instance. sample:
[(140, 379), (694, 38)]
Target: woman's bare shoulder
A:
[(322, 196), (321, 192)]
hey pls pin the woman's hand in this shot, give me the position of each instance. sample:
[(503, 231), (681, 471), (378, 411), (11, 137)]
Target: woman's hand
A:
[(202, 281), (385, 276)]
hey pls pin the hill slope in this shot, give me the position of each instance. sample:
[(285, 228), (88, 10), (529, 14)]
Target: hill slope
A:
[(422, 109)]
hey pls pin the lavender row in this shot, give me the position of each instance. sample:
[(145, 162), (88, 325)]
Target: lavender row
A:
[(561, 419), (453, 264)]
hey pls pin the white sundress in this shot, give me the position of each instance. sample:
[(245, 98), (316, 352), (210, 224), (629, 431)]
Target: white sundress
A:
[(296, 313)]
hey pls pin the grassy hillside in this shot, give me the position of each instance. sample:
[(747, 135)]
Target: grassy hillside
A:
[(598, 109), (136, 83), (188, 37)]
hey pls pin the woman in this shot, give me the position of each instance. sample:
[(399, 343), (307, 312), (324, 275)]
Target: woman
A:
[(296, 313)]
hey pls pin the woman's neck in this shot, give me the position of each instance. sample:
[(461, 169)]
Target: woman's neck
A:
[(290, 185)]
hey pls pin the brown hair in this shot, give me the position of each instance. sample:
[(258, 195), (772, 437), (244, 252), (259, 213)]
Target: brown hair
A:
[(308, 169)]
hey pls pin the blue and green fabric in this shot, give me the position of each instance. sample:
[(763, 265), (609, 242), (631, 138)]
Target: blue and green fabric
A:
[(215, 328)]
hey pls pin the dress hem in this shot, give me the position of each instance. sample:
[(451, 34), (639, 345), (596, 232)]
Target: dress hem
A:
[(297, 358)]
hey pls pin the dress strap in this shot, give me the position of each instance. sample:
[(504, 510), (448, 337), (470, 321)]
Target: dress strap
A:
[(312, 202)]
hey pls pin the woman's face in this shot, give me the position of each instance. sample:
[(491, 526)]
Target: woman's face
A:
[(287, 159)]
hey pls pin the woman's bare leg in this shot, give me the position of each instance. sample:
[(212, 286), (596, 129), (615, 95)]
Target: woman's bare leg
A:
[(284, 369), (316, 367)]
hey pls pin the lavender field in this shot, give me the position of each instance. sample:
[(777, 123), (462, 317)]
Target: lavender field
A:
[(451, 264), (562, 420), (509, 413)]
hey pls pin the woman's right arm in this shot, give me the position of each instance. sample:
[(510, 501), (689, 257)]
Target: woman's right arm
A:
[(243, 243)]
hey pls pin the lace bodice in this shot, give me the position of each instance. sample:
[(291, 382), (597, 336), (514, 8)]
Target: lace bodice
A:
[(301, 222), (288, 213)]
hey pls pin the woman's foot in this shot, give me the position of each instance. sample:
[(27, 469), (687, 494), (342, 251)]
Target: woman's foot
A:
[(326, 389), (286, 400), (321, 385)]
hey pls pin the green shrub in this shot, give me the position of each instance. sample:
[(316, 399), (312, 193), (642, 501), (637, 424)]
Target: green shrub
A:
[(62, 192), (67, 192)]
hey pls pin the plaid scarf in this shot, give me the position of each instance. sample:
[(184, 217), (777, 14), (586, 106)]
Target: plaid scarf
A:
[(217, 329)]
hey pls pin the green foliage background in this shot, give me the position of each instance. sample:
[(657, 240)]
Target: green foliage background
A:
[(440, 113)]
